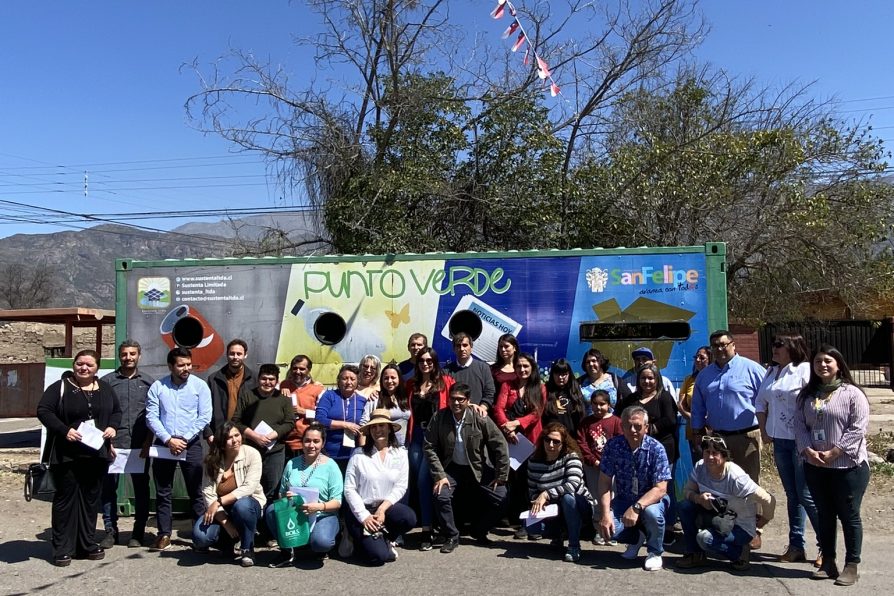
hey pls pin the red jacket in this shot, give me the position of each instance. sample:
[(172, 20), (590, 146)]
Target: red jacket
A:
[(530, 422)]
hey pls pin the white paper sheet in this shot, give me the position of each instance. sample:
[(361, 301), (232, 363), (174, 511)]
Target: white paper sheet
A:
[(310, 495), (265, 429), (162, 452), (90, 435), (520, 452), (127, 461), (546, 512)]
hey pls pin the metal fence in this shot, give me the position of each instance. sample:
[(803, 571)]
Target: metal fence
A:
[(866, 345)]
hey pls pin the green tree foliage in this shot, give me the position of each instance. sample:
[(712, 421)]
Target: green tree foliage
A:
[(427, 147)]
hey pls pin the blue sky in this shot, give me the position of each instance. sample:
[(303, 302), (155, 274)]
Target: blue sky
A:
[(97, 86)]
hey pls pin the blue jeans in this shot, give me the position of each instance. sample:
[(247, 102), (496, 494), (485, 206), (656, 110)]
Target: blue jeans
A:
[(650, 523), (322, 537), (697, 539), (140, 484), (797, 495), (420, 471), (244, 514), (573, 510)]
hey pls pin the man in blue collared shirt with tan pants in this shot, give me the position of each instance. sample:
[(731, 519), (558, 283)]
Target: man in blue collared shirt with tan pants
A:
[(177, 409), (723, 401)]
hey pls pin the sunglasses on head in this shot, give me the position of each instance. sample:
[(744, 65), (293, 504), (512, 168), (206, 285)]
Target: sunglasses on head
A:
[(714, 442)]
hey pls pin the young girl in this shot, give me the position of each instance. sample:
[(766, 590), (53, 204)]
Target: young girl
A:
[(593, 433)]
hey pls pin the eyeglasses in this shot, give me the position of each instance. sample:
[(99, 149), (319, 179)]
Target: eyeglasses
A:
[(548, 441), (457, 399), (722, 346), (714, 442)]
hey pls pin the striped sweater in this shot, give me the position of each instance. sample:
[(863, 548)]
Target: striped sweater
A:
[(565, 476)]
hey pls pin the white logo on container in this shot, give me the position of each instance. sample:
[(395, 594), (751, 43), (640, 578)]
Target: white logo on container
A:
[(597, 279)]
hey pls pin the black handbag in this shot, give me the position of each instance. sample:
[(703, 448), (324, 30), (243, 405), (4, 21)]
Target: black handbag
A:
[(38, 479), (39, 483)]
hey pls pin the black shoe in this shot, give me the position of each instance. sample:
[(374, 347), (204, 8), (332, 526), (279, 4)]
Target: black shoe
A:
[(96, 555), (450, 545), (482, 539), (426, 543), (63, 561), (438, 540), (285, 559), (110, 539)]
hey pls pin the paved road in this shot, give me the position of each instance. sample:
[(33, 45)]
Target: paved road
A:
[(510, 567)]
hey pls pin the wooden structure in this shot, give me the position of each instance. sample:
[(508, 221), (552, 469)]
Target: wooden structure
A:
[(94, 318)]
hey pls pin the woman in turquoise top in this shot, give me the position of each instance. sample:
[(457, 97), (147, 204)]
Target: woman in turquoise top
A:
[(313, 470)]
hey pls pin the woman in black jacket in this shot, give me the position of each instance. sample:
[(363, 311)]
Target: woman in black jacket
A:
[(77, 469)]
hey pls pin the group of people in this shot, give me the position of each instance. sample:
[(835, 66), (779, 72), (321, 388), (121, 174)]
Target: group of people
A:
[(418, 444)]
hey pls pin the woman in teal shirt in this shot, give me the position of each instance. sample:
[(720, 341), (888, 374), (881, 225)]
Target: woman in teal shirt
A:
[(313, 470)]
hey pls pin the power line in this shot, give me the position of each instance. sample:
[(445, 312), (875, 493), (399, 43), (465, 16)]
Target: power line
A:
[(116, 163)]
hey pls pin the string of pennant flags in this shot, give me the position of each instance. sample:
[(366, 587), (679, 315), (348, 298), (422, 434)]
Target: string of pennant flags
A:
[(523, 40)]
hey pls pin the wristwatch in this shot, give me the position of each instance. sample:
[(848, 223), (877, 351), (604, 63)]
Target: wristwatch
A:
[(637, 508)]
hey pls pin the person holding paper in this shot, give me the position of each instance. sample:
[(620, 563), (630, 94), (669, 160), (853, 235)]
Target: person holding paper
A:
[(519, 407), (304, 392), (233, 495), (518, 411), (340, 410), (131, 385), (458, 442), (178, 408), (263, 416), (78, 400), (376, 480), (556, 476), (632, 489), (317, 478)]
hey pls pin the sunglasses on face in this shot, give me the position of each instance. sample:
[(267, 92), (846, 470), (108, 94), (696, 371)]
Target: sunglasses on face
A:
[(548, 441), (457, 399), (778, 344)]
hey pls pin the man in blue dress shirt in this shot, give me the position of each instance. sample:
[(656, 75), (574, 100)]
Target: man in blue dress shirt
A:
[(177, 409), (723, 401)]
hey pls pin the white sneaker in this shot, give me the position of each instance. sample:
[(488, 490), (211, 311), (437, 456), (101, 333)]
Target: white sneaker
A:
[(394, 552), (632, 551), (653, 563)]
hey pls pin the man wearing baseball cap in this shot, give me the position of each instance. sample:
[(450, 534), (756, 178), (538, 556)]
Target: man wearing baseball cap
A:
[(644, 355)]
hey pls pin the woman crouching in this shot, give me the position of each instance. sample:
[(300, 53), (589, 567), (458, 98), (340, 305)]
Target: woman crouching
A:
[(375, 482)]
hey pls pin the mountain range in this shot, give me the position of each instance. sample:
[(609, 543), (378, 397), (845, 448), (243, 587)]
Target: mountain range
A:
[(84, 260)]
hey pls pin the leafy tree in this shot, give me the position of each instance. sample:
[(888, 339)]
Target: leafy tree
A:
[(425, 142)]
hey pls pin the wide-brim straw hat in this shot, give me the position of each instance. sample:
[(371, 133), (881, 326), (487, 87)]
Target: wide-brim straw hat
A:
[(380, 416)]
